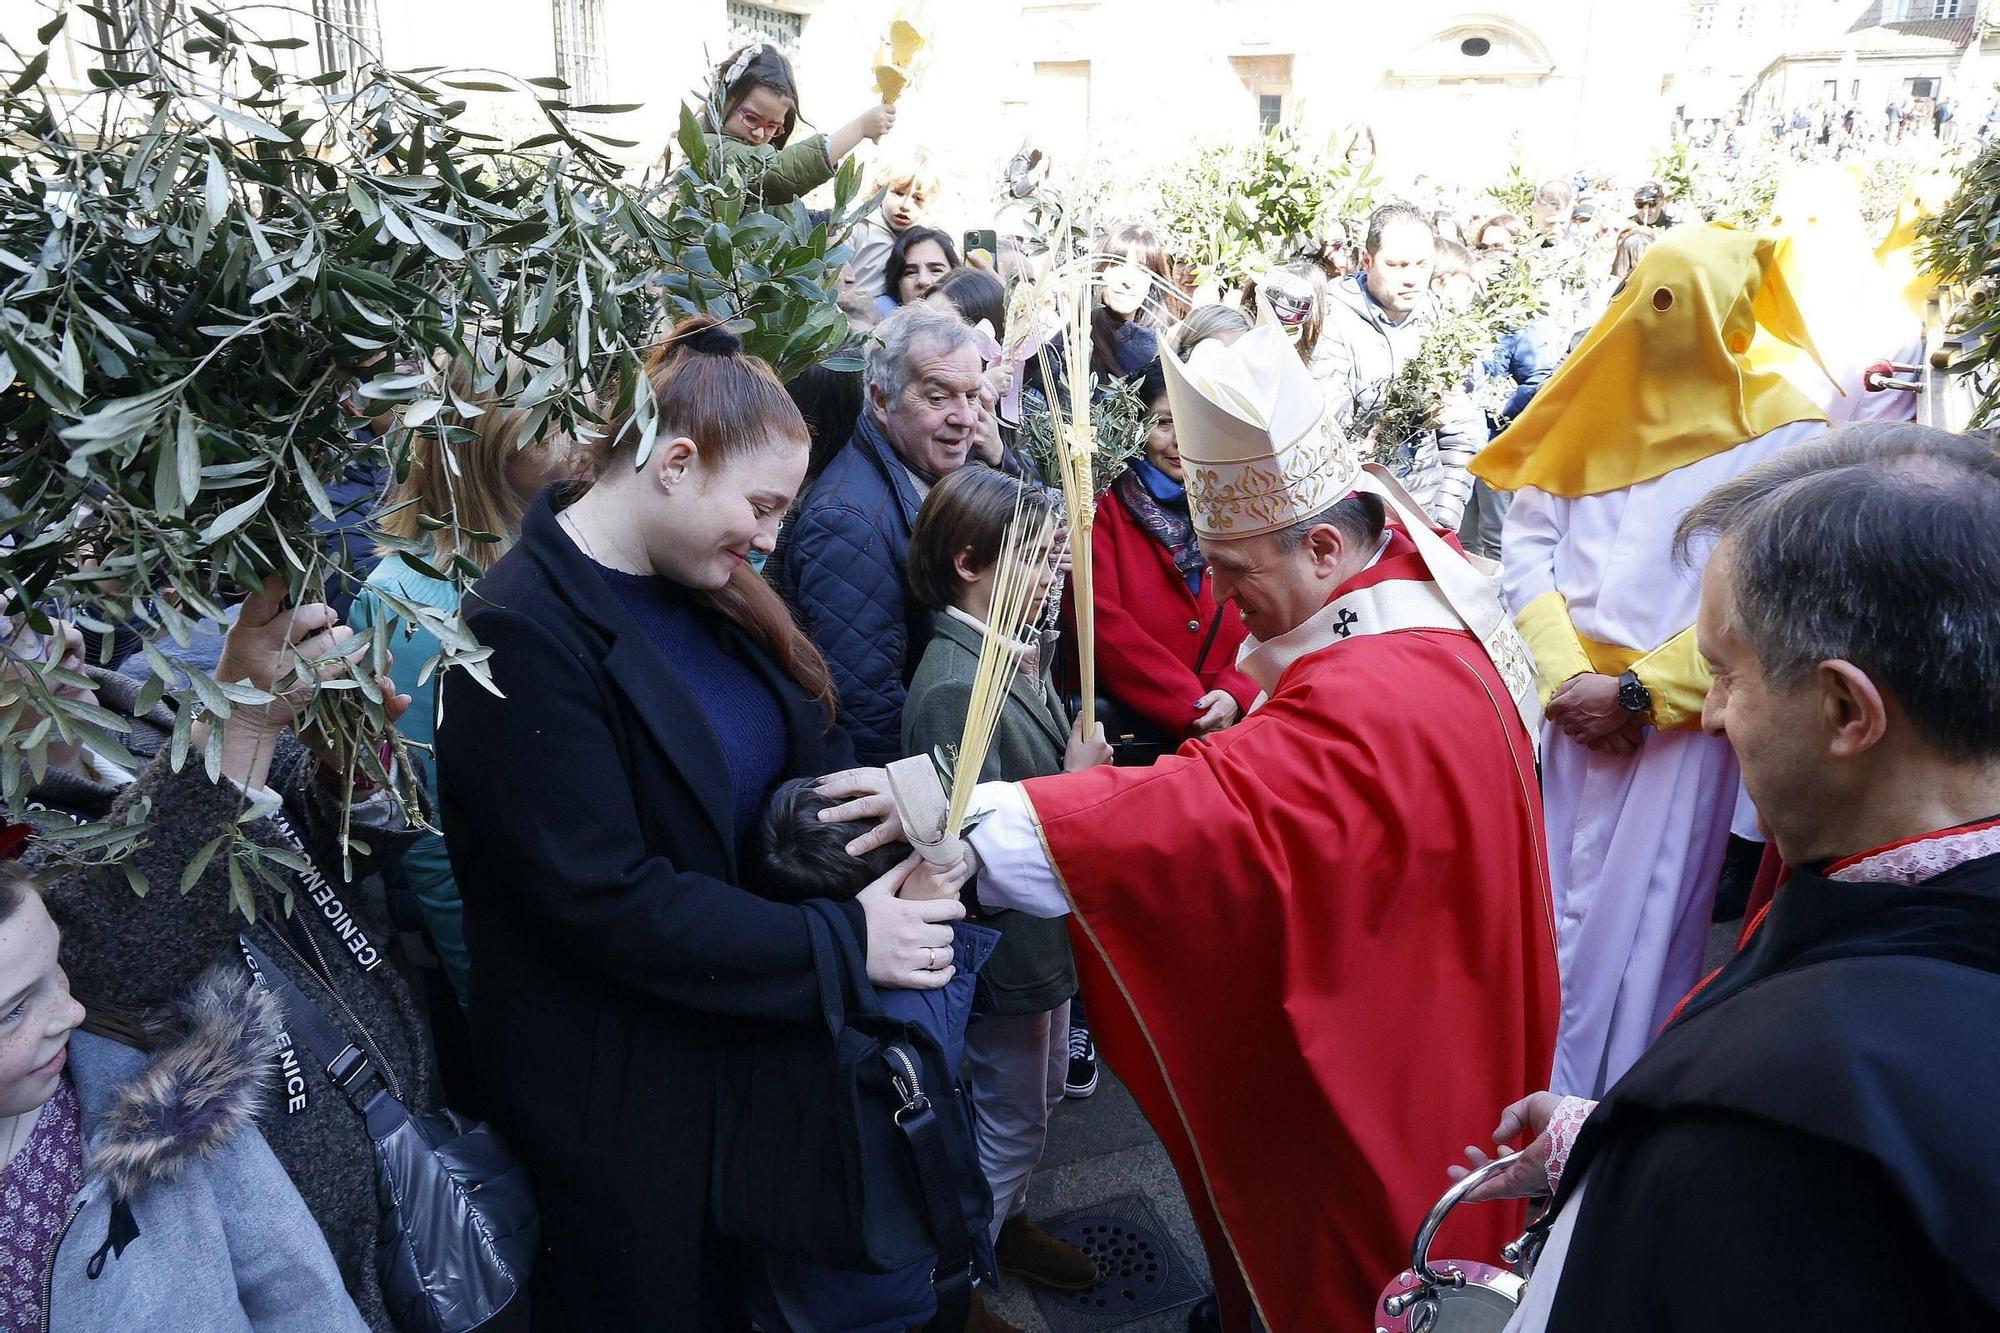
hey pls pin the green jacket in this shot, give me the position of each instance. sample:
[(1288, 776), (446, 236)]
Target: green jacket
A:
[(1032, 971), (773, 176)]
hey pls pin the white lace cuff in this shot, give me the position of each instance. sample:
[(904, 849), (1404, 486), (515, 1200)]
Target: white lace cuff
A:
[(1564, 1126)]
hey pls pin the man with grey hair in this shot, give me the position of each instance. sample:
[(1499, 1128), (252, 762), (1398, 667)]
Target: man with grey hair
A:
[(1826, 1099), (844, 571), (1287, 919)]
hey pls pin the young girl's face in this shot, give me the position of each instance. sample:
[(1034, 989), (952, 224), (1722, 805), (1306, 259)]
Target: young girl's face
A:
[(759, 116), (1124, 287), (923, 265), (903, 205)]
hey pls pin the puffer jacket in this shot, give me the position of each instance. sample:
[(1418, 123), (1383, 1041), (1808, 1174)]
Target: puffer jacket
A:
[(136, 954), (1359, 352), (845, 574), (773, 176), (186, 1219)]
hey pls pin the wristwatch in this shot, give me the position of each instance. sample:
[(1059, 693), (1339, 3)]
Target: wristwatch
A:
[(1633, 696)]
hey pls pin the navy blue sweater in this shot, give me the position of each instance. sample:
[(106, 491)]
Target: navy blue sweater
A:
[(735, 701)]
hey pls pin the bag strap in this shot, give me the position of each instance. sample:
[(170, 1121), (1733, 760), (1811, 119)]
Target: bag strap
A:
[(345, 1063), (950, 1230), (1214, 628)]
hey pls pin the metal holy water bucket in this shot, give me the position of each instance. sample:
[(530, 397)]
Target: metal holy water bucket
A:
[(1455, 1295)]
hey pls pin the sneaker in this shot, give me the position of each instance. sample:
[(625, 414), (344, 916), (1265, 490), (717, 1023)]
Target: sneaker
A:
[(1033, 1255), (1082, 1078)]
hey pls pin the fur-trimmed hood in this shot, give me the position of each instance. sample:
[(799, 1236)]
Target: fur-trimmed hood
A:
[(200, 1087)]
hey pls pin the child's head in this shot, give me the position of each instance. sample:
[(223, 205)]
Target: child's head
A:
[(1453, 281), (974, 296), (956, 543), (796, 856), (759, 96), (908, 187)]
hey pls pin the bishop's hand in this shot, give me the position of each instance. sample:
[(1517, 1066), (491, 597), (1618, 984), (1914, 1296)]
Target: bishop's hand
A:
[(864, 793), (933, 883)]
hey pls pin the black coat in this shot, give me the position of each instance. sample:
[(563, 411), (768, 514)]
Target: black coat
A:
[(1809, 1146), (613, 952)]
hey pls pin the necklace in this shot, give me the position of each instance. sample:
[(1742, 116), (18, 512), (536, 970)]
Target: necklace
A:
[(576, 530)]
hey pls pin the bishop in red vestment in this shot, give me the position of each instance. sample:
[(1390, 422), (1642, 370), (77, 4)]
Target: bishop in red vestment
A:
[(1316, 945)]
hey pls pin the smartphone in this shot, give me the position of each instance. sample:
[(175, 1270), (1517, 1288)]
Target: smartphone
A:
[(987, 240)]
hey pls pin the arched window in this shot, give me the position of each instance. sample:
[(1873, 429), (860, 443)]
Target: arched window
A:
[(1478, 48)]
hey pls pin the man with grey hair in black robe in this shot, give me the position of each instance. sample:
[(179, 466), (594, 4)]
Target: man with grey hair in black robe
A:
[(1809, 1145)]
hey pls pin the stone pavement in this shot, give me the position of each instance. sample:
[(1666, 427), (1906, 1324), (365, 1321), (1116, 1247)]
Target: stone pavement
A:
[(1101, 1148)]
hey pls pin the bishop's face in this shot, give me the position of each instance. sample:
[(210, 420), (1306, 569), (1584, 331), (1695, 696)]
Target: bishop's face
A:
[(1277, 586)]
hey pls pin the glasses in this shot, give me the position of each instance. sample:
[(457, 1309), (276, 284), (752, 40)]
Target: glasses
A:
[(756, 124)]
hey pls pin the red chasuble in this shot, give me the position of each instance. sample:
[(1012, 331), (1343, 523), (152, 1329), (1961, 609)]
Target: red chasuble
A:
[(1318, 947)]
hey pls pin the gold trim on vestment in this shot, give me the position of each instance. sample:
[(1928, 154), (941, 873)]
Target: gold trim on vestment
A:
[(1173, 1095)]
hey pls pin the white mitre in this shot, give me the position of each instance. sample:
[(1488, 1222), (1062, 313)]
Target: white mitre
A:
[(1261, 452), (1259, 449)]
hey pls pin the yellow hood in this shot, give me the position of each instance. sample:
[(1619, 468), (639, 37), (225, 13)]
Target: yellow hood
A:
[(1901, 251), (1663, 379), (1855, 318)]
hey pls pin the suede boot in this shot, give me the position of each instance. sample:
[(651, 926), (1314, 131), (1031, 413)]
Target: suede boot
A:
[(1032, 1254)]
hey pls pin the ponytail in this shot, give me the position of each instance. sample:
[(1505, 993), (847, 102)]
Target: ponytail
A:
[(707, 388)]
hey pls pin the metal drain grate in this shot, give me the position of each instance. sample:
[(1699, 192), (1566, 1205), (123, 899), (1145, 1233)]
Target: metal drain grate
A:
[(1140, 1271)]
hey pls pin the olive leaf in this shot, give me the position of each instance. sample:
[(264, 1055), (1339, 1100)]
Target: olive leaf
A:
[(1962, 246), (227, 287)]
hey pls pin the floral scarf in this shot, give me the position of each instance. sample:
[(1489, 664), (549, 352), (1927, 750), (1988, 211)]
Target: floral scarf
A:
[(1160, 505)]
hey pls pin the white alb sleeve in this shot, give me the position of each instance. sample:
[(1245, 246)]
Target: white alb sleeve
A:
[(1014, 871)]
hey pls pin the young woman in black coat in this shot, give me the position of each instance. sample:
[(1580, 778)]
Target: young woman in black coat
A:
[(651, 691)]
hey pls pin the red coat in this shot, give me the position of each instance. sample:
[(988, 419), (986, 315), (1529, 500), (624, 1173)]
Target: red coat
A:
[(1150, 628)]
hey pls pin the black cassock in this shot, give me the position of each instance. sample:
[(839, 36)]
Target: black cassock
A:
[(1814, 1143)]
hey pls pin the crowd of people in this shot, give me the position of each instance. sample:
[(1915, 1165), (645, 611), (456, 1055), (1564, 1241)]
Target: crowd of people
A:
[(1423, 762)]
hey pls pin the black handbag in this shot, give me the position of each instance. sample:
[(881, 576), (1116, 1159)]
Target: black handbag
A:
[(1135, 742), (846, 1142), (460, 1228)]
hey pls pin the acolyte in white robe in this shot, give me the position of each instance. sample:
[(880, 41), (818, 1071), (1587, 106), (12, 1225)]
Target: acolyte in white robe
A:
[(1635, 842)]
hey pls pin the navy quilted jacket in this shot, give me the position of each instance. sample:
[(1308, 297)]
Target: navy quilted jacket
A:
[(844, 576)]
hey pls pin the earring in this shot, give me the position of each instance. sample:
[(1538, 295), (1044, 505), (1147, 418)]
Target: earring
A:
[(665, 484)]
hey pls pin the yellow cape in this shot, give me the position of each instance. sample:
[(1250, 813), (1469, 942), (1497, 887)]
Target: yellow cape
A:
[(1662, 380)]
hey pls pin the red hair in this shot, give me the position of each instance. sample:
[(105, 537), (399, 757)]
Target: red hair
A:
[(706, 388)]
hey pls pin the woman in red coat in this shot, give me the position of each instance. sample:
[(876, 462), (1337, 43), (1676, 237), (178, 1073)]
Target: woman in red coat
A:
[(1166, 653)]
